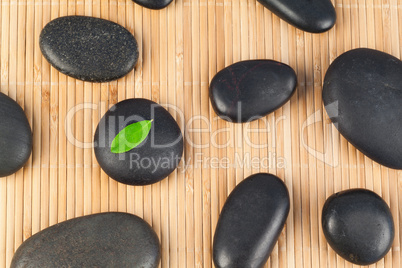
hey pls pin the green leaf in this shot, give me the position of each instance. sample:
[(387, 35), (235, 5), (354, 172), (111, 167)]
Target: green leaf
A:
[(131, 136)]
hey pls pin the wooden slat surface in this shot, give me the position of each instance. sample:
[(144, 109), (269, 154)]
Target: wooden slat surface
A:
[(181, 49)]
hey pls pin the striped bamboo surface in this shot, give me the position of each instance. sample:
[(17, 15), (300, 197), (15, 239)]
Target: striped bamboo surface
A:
[(181, 48)]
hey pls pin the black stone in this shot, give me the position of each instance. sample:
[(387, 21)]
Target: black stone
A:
[(251, 222), (151, 161), (101, 240), (248, 90), (315, 16), (89, 49), (362, 94), (15, 136), (358, 225), (153, 4)]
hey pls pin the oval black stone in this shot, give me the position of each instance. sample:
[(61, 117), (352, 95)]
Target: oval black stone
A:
[(250, 222), (15, 136), (101, 240), (153, 4), (358, 225), (89, 49), (248, 90), (151, 161), (315, 16), (362, 94)]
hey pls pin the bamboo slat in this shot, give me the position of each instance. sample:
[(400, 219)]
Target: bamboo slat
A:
[(181, 48)]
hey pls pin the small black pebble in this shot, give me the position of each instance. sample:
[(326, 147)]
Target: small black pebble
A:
[(15, 136), (111, 239), (358, 225), (250, 222), (248, 90), (315, 16), (153, 4), (89, 49)]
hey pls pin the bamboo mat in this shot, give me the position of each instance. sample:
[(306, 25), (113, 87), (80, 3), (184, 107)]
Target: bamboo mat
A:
[(181, 48)]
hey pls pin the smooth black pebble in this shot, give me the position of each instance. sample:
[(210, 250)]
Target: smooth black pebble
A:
[(15, 136), (315, 16), (89, 49), (250, 222), (362, 94), (248, 90), (152, 160), (153, 4), (101, 240), (358, 225)]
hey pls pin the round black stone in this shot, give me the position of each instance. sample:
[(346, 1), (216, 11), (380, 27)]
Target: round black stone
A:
[(153, 4), (250, 222), (152, 160), (15, 136), (358, 225), (248, 90), (362, 94), (101, 240), (89, 49), (315, 16)]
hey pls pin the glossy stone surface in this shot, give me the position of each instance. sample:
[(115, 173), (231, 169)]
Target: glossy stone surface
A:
[(151, 161), (100, 240), (251, 222), (362, 94), (358, 225), (89, 49), (153, 4), (248, 90), (15, 136), (315, 16)]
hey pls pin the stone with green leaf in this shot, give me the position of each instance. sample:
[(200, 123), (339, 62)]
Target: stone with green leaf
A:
[(138, 142)]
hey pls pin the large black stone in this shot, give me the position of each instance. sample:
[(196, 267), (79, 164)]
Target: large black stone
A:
[(315, 16), (153, 4), (15, 136), (100, 240), (248, 90), (88, 48), (151, 161), (363, 96), (251, 222), (358, 225)]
